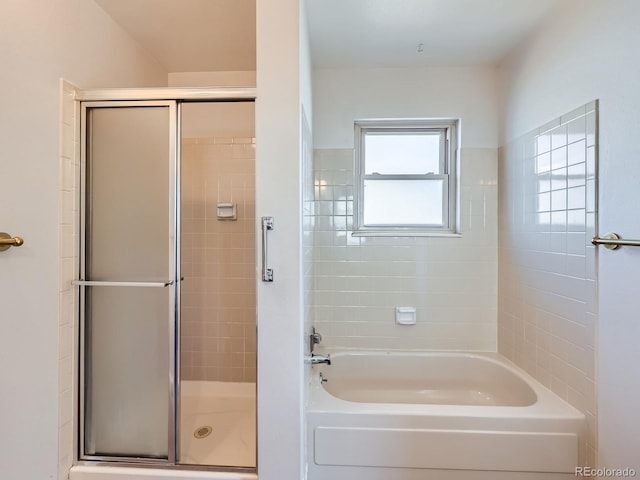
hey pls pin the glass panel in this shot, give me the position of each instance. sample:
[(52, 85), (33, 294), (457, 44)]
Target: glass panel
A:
[(403, 202), (402, 153), (128, 238), (127, 362), (218, 304), (128, 194)]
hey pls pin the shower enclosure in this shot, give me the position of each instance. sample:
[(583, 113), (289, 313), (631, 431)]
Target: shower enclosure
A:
[(167, 280)]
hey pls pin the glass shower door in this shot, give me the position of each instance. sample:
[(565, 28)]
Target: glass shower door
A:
[(128, 281), (217, 421)]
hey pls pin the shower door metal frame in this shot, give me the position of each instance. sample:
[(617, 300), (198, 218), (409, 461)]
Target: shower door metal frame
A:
[(171, 282), (134, 97)]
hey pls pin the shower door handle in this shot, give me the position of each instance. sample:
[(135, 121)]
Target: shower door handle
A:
[(267, 273), (89, 283)]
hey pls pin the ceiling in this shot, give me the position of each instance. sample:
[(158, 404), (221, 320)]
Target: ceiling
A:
[(219, 35), (414, 33)]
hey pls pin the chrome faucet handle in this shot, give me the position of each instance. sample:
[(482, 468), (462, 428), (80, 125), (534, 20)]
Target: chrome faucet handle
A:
[(314, 339)]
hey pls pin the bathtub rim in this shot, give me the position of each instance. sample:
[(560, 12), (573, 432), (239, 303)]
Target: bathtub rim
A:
[(548, 404)]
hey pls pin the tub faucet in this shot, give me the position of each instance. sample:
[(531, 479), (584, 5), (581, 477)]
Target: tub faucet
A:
[(315, 359)]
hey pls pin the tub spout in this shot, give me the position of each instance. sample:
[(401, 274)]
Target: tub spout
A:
[(315, 359)]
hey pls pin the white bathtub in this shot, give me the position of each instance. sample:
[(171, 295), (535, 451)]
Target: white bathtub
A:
[(440, 416)]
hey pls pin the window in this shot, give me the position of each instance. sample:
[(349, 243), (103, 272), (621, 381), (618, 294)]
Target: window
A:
[(405, 177)]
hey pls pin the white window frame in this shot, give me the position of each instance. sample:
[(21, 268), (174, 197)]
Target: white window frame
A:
[(448, 173)]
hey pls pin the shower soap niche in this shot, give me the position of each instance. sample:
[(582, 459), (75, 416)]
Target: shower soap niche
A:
[(406, 315), (227, 211)]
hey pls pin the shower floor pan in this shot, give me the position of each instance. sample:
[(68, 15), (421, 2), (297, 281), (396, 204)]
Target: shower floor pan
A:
[(218, 424)]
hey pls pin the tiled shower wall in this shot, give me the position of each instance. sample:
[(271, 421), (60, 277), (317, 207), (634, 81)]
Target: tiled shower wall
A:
[(308, 220), (218, 314), (307, 238), (68, 201), (547, 268), (452, 281)]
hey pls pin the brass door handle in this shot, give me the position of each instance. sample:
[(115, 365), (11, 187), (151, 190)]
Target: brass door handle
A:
[(7, 241)]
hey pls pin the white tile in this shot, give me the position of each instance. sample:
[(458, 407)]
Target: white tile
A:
[(576, 198), (550, 281), (576, 220), (558, 242), (543, 162), (559, 137), (576, 175), (576, 243), (591, 164), (559, 200), (559, 157), (576, 129), (543, 143), (543, 202), (576, 153), (591, 195), (558, 179), (576, 265), (591, 129)]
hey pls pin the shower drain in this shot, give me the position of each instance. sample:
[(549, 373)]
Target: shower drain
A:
[(202, 432)]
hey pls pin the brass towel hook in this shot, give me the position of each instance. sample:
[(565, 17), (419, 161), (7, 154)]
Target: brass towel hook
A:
[(7, 241)]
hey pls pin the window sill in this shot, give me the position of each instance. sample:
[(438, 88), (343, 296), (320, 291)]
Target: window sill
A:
[(403, 233)]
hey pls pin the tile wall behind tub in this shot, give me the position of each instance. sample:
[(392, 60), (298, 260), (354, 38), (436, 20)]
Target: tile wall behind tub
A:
[(218, 336), (308, 220), (358, 281), (547, 268), (307, 223)]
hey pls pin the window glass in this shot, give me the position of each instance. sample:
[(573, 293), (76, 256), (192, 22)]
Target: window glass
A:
[(403, 202), (402, 153)]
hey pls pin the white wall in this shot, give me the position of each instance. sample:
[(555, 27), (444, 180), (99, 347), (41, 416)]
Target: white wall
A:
[(42, 42), (587, 51), (279, 194), (306, 68), (236, 78), (306, 156), (342, 95), (230, 119)]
